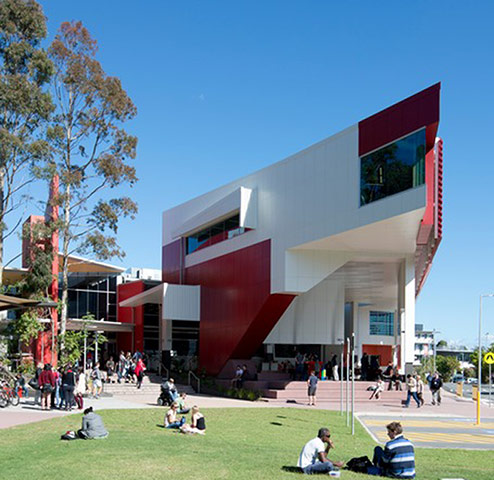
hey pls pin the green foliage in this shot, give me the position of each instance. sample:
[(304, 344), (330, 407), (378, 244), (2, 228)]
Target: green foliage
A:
[(485, 366), (26, 366), (442, 343), (25, 105), (447, 366), (426, 367), (73, 341), (27, 327)]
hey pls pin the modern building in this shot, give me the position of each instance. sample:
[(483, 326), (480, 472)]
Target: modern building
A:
[(424, 343), (332, 242)]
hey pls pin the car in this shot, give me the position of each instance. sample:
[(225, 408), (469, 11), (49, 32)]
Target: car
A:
[(457, 378), (472, 381)]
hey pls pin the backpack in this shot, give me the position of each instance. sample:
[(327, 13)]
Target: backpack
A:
[(358, 464), (69, 435)]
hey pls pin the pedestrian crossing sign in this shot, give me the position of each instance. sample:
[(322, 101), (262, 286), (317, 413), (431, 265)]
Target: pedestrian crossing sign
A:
[(489, 358)]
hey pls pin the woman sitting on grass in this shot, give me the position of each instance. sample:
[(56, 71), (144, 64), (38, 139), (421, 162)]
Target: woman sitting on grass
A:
[(171, 420), (197, 423), (92, 426)]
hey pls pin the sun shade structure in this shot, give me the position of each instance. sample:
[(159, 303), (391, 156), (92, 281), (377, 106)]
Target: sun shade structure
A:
[(8, 302)]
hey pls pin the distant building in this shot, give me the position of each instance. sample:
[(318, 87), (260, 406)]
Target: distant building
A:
[(424, 344)]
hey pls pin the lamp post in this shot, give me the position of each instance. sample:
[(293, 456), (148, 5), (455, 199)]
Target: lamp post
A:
[(480, 354), (434, 351), (341, 341)]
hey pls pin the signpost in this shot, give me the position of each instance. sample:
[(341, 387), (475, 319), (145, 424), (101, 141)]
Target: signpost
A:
[(489, 359)]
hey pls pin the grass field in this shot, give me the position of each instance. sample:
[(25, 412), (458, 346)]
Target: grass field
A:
[(240, 444)]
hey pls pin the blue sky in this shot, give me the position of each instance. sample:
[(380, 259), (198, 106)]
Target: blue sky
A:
[(224, 88)]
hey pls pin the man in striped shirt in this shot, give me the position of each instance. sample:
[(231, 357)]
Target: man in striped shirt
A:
[(397, 460)]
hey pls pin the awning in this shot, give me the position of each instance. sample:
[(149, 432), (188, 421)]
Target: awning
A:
[(179, 302), (98, 325), (8, 302)]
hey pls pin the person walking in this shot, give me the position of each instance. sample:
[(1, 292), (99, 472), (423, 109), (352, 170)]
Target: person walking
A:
[(334, 367), (435, 386), (139, 371), (420, 389), (411, 391), (312, 388), (364, 366), (97, 381)]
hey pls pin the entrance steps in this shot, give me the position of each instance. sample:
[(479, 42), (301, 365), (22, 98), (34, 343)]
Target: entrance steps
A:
[(150, 386)]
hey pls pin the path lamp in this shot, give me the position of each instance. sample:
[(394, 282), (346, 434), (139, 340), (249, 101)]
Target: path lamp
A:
[(347, 379), (341, 341), (480, 354), (353, 383)]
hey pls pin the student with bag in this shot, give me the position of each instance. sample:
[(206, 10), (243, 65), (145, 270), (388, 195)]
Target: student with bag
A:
[(46, 383)]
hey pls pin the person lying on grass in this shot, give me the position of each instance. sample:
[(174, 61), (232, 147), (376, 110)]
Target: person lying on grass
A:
[(171, 420), (197, 423), (314, 456)]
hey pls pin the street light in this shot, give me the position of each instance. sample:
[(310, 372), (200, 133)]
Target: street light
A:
[(480, 354), (434, 351)]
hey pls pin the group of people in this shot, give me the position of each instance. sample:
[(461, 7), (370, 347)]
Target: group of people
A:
[(305, 364), (416, 388), (129, 368), (241, 375), (62, 387), (173, 420), (395, 460)]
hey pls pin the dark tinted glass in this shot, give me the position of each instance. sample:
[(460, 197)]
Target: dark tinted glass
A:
[(393, 169)]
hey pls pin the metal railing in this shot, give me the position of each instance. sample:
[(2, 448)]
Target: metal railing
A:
[(193, 376)]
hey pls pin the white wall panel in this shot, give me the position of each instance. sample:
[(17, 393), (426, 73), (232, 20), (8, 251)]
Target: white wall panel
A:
[(181, 302)]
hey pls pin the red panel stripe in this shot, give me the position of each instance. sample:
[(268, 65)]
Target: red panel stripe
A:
[(417, 111)]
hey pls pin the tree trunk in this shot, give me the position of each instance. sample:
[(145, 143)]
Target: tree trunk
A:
[(2, 220), (65, 265)]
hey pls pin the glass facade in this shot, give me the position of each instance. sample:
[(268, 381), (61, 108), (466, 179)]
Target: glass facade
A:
[(216, 233), (393, 169), (381, 323)]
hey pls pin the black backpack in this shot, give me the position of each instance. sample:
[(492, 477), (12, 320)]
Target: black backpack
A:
[(358, 464)]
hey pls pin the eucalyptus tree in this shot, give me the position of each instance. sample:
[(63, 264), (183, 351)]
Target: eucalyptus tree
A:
[(91, 151), (25, 105)]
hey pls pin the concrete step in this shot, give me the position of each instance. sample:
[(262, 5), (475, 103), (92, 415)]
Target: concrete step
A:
[(275, 376), (146, 389), (300, 395)]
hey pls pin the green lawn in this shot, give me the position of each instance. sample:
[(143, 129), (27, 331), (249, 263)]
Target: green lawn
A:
[(240, 444)]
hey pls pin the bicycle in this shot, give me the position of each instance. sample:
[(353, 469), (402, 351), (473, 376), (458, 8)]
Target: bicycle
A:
[(8, 395)]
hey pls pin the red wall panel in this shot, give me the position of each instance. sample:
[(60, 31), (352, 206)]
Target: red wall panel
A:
[(237, 309), (171, 261), (125, 315), (419, 110)]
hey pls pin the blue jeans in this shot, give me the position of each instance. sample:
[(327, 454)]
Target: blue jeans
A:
[(318, 467), (176, 424), (376, 469), (415, 397)]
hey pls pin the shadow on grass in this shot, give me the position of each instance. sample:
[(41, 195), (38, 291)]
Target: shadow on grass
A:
[(291, 469)]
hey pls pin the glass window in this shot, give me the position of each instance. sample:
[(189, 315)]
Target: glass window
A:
[(381, 323), (216, 233), (393, 169)]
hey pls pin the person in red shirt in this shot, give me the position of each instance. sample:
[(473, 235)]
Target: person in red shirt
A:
[(46, 382), (139, 372)]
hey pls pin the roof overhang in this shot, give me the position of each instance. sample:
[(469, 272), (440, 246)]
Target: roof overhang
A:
[(178, 302)]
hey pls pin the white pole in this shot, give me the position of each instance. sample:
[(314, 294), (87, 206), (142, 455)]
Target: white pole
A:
[(490, 383), (479, 370), (353, 383), (347, 380), (341, 379), (85, 352), (96, 348)]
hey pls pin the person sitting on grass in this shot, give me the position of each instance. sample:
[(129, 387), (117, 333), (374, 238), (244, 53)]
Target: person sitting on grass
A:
[(92, 426), (171, 420), (314, 456), (397, 460), (197, 423), (182, 408)]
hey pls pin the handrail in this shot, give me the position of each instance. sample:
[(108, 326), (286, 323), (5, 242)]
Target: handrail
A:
[(198, 380), (161, 368)]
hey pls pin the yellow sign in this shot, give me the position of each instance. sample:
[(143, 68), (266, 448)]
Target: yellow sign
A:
[(489, 358)]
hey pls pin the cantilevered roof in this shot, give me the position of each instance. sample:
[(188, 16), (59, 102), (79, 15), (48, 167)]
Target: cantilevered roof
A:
[(8, 302)]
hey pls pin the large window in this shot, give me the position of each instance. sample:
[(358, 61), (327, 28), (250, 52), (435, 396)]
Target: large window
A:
[(216, 233), (393, 169), (381, 323)]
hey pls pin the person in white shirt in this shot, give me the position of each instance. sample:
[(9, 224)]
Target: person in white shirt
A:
[(411, 391), (313, 457)]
